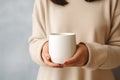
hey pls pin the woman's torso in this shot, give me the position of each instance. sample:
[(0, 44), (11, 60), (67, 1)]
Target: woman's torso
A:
[(90, 21)]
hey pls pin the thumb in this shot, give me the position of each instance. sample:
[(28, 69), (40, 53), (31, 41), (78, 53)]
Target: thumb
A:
[(69, 61)]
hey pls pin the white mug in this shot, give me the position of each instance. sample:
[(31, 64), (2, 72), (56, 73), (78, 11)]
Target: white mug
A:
[(61, 46)]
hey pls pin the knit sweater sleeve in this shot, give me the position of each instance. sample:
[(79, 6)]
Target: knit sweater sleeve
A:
[(38, 37), (107, 56)]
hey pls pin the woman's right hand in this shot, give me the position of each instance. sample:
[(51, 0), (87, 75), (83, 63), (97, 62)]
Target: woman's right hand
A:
[(47, 59)]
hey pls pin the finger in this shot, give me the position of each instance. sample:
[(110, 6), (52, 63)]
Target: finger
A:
[(70, 62), (51, 64), (76, 54), (73, 61)]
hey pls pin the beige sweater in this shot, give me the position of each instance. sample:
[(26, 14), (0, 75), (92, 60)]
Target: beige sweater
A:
[(97, 24)]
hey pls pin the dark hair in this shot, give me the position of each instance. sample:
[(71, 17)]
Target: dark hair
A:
[(64, 2)]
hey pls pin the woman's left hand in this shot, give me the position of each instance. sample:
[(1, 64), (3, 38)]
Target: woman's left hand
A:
[(80, 57)]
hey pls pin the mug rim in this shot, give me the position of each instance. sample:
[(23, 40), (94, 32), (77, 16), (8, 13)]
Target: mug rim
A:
[(62, 34)]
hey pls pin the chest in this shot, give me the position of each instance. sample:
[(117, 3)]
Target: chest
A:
[(79, 14), (80, 17)]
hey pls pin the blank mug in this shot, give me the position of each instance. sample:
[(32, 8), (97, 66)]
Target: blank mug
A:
[(61, 46)]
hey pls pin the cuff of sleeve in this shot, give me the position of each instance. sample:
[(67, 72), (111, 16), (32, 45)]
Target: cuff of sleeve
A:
[(36, 49), (97, 55)]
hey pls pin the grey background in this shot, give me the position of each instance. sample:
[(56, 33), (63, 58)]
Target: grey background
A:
[(15, 28)]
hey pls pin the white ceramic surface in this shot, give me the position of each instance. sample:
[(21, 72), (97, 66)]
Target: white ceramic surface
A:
[(61, 46)]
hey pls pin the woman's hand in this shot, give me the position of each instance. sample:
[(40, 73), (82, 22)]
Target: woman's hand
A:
[(80, 57), (47, 59)]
